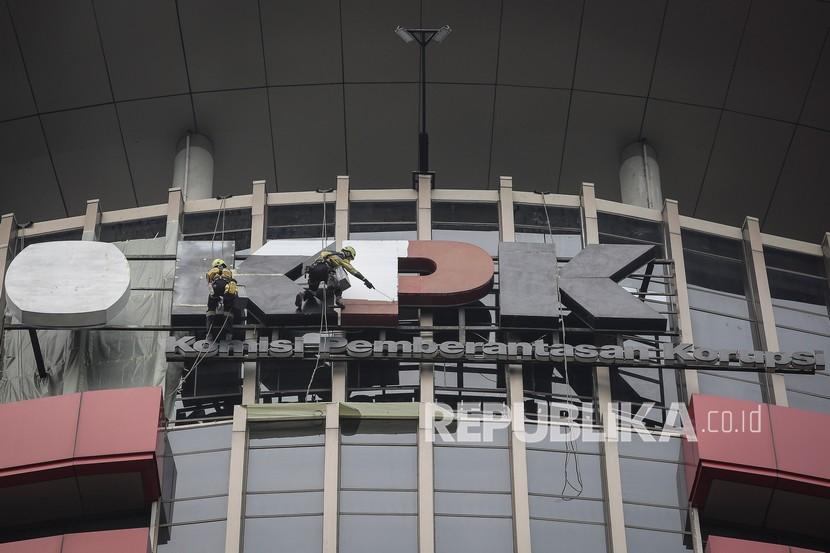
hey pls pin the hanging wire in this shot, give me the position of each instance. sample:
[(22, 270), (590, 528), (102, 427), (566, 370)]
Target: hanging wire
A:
[(324, 322), (570, 446)]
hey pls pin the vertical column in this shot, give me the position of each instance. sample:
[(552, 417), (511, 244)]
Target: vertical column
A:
[(612, 483), (92, 220), (259, 201), (825, 249), (331, 477), (424, 207), (250, 378), (175, 208), (341, 206), (8, 236), (507, 231), (236, 481), (683, 319), (518, 460), (756, 268), (674, 251), (426, 471)]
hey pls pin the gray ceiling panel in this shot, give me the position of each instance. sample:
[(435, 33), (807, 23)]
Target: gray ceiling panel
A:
[(371, 51), (142, 46), (682, 136), (222, 44), (529, 131), (538, 42), (697, 50), (800, 205), (308, 135), (27, 180), (469, 54), (382, 134), (237, 123), (817, 107), (62, 52), (744, 166), (600, 126), (617, 46), (152, 128), (459, 126), (89, 158), (293, 53), (15, 95), (777, 57)]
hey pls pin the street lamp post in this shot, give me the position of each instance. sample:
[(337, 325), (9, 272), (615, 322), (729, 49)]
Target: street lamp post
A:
[(423, 37)]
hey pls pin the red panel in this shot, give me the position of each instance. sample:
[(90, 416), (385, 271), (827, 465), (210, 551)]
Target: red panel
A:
[(51, 544), (369, 313), (802, 442), (132, 540), (462, 273), (118, 422), (718, 544), (38, 434)]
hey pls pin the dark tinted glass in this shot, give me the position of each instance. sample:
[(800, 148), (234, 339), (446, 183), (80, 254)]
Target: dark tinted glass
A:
[(134, 230), (460, 212), (299, 221), (794, 261), (709, 243), (629, 227), (205, 538), (528, 218), (382, 212)]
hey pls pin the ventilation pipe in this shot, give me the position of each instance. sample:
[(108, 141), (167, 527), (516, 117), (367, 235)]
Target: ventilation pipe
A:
[(640, 176), (193, 167)]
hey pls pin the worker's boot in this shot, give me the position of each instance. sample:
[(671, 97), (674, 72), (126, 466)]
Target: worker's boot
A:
[(298, 301)]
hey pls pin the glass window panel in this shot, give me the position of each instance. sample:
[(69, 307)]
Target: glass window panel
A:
[(374, 212), (472, 469), (537, 216), (730, 387), (808, 402), (715, 273), (465, 212), (816, 322), (360, 431), (134, 230), (199, 438), (665, 542), (487, 240), (377, 232), (546, 473), (370, 534), (300, 221), (388, 467), (257, 504), (293, 534), (475, 535), (653, 482), (578, 510), (718, 331), (284, 469), (485, 504), (287, 433), (636, 445), (712, 244), (378, 502), (194, 510), (794, 290), (794, 340), (655, 517), (204, 538), (75, 234), (793, 261), (569, 536), (477, 431), (629, 227), (550, 437), (718, 302), (200, 474)]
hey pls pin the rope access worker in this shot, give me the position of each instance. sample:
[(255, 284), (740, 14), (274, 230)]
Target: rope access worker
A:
[(222, 288), (324, 269)]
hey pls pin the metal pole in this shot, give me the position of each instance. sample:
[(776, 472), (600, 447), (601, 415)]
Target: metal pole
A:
[(423, 138)]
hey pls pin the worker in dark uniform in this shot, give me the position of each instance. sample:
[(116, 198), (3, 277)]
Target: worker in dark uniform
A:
[(222, 289), (324, 269)]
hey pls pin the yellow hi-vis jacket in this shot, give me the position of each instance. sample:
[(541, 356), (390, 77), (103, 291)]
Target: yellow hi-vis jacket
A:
[(227, 274)]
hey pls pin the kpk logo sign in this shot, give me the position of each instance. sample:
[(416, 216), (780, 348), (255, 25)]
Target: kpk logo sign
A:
[(440, 273)]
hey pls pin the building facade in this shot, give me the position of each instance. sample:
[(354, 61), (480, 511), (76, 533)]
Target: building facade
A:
[(300, 455)]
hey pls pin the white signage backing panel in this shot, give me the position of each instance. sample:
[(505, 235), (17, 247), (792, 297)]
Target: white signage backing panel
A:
[(69, 284)]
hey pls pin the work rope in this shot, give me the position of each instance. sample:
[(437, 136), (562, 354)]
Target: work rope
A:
[(324, 322), (570, 446)]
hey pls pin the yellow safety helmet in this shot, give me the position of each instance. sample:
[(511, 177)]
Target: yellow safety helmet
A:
[(350, 252), (219, 263)]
